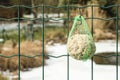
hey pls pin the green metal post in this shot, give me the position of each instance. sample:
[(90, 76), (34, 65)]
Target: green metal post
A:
[(117, 18), (43, 40), (67, 35), (18, 40), (92, 34)]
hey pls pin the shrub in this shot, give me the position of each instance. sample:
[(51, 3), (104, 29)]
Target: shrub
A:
[(3, 78)]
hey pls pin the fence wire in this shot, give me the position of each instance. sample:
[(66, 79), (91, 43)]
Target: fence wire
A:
[(67, 7)]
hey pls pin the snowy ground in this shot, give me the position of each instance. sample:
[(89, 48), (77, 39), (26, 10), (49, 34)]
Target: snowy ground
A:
[(10, 26), (56, 68)]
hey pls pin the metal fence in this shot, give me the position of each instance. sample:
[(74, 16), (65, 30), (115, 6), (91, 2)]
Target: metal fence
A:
[(67, 8)]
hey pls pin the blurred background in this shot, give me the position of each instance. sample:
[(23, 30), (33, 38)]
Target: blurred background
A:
[(36, 29)]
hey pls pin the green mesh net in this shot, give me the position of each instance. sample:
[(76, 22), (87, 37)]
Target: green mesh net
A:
[(80, 44)]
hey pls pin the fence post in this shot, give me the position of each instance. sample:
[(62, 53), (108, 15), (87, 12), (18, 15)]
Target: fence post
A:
[(67, 35), (117, 18), (18, 40), (43, 40), (92, 35)]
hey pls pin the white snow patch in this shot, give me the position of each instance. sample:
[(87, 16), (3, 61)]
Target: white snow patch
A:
[(57, 68)]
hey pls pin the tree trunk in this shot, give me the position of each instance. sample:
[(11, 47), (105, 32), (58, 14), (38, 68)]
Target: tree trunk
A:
[(34, 10)]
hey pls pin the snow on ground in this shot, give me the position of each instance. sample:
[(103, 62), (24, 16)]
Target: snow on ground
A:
[(9, 26), (57, 69)]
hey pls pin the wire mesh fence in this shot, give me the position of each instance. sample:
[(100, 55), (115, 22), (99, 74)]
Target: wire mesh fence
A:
[(42, 19)]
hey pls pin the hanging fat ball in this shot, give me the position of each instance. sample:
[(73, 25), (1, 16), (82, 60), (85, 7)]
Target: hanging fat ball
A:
[(80, 44), (79, 47)]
